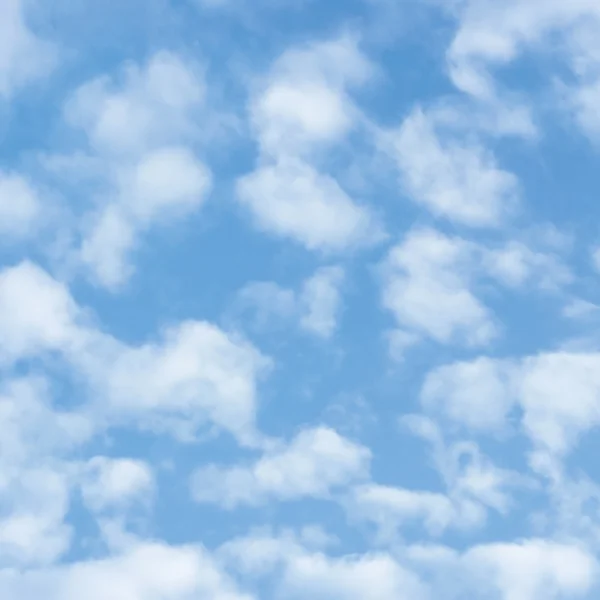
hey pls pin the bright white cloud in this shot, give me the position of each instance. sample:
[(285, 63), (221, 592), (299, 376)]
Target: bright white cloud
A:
[(303, 107), (140, 126), (427, 287), (108, 483), (477, 394), (533, 569), (451, 177), (304, 103), (314, 464), (293, 200), (143, 571), (37, 313), (196, 375), (301, 571), (559, 394)]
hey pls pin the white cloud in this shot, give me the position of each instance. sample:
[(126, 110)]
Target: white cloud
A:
[(163, 186), (476, 394), (20, 206), (293, 200), (35, 439), (559, 394), (452, 178), (315, 463), (268, 302), (197, 375), (426, 285), (300, 572), (106, 247), (32, 528), (493, 35), (533, 569), (37, 313), (320, 300), (286, 194), (140, 127), (108, 483), (516, 264), (474, 485), (24, 57), (304, 103), (390, 508), (166, 181), (315, 306), (367, 577), (145, 108), (143, 571)]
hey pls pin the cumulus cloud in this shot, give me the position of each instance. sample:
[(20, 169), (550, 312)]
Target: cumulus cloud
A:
[(452, 177), (196, 374), (115, 483), (144, 571), (431, 280), (141, 126), (558, 394), (286, 194), (491, 36), (37, 313), (427, 283), (300, 570), (314, 464), (533, 568)]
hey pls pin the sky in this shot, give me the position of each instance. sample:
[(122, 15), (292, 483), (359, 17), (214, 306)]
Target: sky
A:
[(299, 299)]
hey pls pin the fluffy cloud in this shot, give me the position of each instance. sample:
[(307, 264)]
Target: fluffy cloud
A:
[(35, 481), (427, 286), (451, 177), (534, 568), (315, 306), (108, 483), (559, 394), (304, 102), (138, 126), (314, 464), (300, 570), (196, 374), (142, 571), (430, 282), (490, 36), (37, 313), (286, 194), (293, 200)]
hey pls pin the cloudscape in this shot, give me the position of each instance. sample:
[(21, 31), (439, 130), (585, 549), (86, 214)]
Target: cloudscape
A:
[(299, 299)]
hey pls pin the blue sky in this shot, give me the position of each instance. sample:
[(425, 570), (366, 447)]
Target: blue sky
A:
[(299, 299)]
